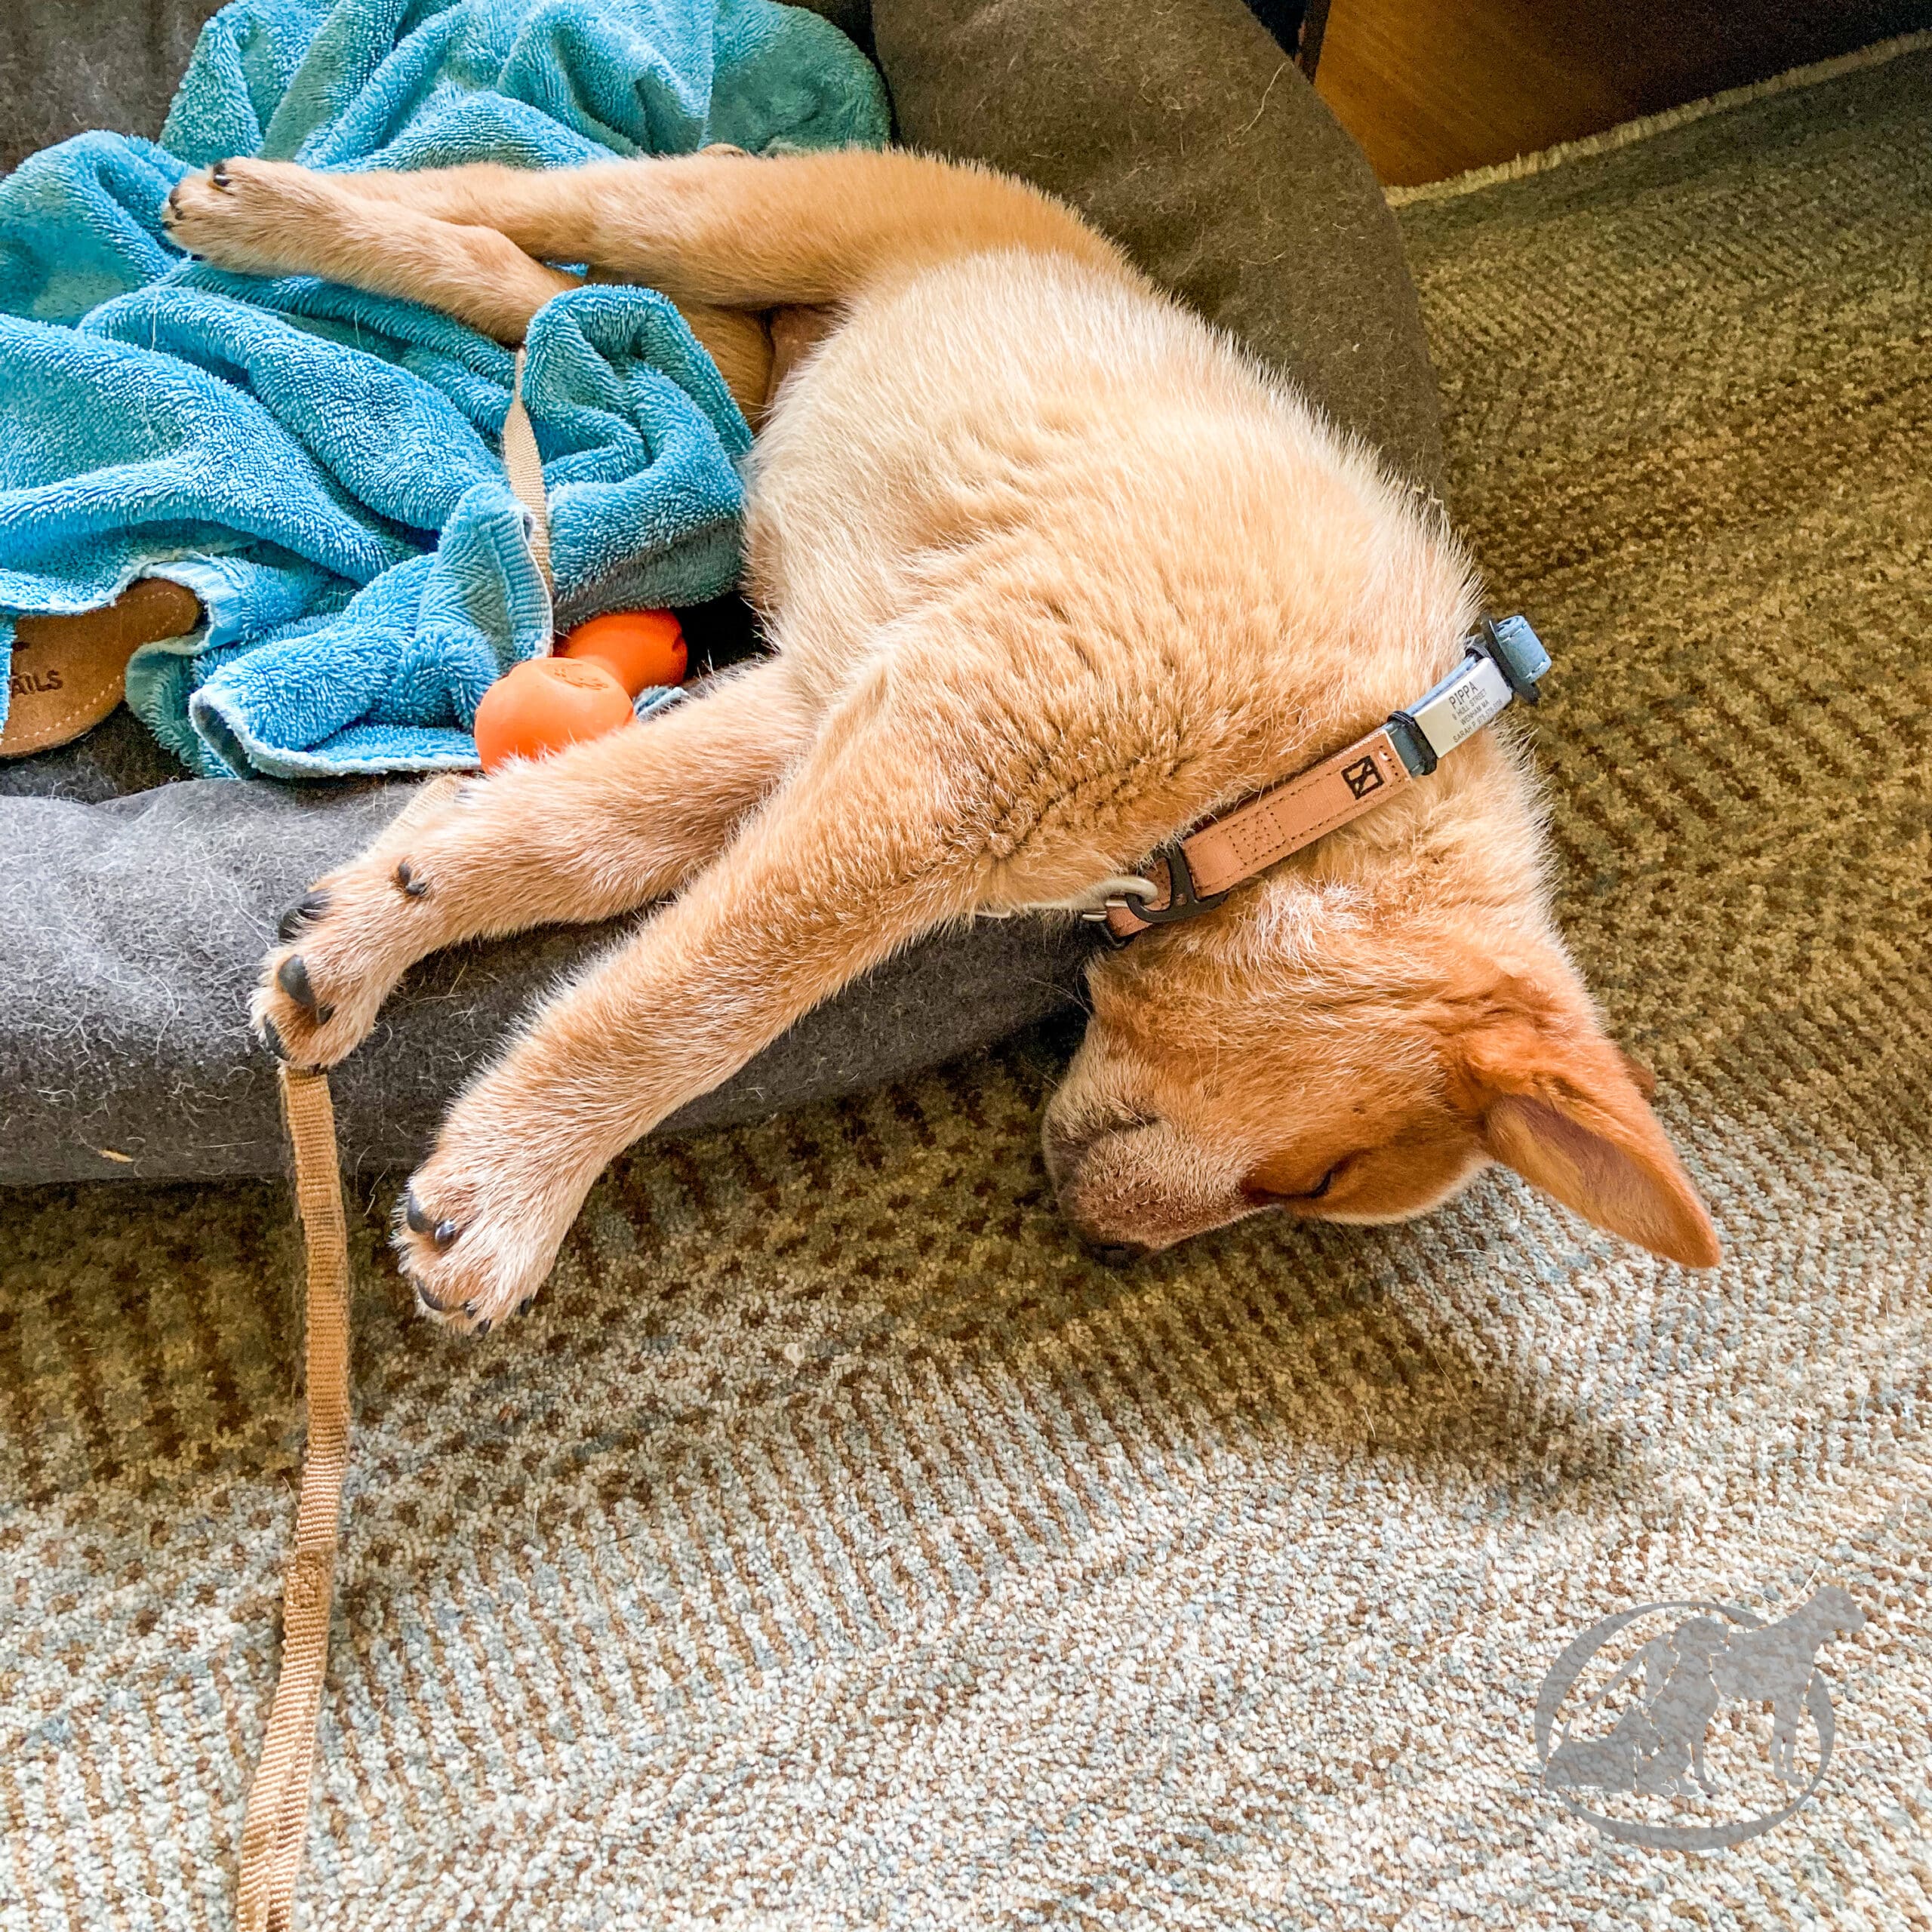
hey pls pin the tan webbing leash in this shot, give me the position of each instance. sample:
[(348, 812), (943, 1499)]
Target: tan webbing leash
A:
[(278, 1819), (525, 469), (271, 1839)]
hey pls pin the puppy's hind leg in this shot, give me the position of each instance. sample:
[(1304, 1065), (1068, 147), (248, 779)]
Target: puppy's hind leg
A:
[(590, 832), (267, 218), (800, 230)]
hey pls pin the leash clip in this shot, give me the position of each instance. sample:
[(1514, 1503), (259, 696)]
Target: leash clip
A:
[(1184, 901)]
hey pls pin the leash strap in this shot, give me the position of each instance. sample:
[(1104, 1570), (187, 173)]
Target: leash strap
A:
[(526, 472), (272, 1838)]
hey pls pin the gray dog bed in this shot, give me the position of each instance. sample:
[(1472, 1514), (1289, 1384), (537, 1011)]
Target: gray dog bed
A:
[(137, 908)]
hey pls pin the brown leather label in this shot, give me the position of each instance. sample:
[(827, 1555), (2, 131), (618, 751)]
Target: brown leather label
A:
[(1245, 842), (68, 673)]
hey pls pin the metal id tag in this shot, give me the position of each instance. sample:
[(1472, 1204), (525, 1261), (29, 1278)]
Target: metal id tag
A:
[(1472, 694)]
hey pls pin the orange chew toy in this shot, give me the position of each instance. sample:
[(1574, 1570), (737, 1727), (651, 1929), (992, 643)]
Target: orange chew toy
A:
[(585, 689), (544, 704), (642, 647)]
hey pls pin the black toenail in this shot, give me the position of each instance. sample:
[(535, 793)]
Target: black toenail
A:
[(272, 1039), (483, 1326), (444, 1232), (413, 1217), (292, 976), (218, 174), (526, 1305), (429, 1301), (410, 883), (303, 912)]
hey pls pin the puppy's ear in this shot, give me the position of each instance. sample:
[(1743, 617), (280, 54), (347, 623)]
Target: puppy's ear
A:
[(1552, 1097), (1644, 1081)]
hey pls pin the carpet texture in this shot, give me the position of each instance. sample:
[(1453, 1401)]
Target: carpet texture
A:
[(834, 1546)]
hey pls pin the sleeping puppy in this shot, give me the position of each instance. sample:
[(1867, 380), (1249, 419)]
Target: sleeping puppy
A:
[(1053, 572)]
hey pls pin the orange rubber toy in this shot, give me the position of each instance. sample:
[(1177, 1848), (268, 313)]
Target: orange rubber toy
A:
[(585, 689)]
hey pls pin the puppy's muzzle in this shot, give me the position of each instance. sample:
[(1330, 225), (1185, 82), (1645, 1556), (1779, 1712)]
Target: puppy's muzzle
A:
[(1065, 1152)]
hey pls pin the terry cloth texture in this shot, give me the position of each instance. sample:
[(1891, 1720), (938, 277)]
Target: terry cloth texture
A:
[(833, 1546), (152, 914), (323, 468)]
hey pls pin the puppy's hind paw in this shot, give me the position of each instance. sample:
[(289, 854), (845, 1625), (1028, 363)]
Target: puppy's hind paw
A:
[(256, 217)]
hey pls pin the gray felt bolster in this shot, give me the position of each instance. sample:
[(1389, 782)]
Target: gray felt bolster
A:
[(133, 931), (131, 927)]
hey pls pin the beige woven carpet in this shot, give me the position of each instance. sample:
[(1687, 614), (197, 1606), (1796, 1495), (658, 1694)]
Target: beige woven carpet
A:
[(834, 1547)]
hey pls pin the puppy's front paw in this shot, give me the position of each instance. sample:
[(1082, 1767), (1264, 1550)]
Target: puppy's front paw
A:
[(306, 1020), (257, 217), (356, 932), (319, 995), (479, 1226)]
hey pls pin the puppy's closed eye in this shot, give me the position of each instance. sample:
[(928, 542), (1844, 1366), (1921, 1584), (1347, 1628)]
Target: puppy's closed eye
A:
[(1263, 1195)]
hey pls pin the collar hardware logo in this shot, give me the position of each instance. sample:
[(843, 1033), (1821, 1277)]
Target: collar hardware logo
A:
[(1655, 1750), (1361, 777)]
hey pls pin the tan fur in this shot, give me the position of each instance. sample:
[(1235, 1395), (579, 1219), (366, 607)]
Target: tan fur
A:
[(1052, 571)]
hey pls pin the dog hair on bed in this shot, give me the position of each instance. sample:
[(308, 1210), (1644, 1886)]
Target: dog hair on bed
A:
[(1052, 571)]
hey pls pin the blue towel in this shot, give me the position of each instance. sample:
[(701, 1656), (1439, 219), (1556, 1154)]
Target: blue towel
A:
[(322, 468)]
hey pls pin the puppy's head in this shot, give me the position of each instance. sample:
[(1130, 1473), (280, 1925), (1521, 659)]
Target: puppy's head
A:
[(1352, 1039)]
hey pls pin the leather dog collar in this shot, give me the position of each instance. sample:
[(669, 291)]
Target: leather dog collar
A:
[(1502, 661)]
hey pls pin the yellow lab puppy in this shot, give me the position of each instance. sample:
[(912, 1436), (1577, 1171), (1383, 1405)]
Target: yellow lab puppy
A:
[(1053, 572)]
